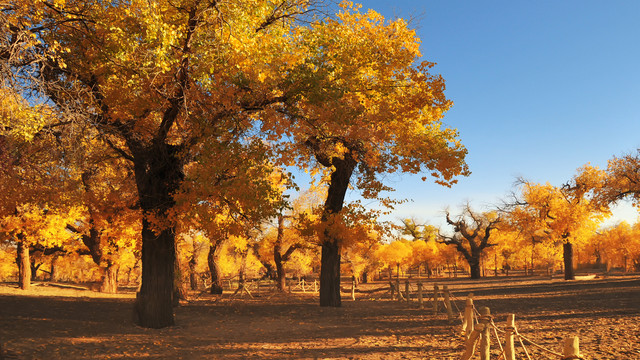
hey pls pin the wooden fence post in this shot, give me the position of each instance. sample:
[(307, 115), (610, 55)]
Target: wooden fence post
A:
[(420, 299), (485, 335), (470, 344), (436, 290), (407, 291), (398, 292), (509, 348), (467, 324), (447, 302), (571, 349)]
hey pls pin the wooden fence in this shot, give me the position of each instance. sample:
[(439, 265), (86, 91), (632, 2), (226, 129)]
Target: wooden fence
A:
[(478, 327)]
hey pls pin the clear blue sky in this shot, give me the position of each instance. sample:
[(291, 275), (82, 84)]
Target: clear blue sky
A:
[(540, 88)]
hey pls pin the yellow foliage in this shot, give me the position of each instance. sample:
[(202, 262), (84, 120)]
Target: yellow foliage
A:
[(8, 268)]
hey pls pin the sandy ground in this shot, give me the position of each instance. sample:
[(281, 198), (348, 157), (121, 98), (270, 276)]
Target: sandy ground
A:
[(54, 323)]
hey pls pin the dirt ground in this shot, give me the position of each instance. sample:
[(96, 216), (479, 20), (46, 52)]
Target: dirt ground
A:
[(54, 323)]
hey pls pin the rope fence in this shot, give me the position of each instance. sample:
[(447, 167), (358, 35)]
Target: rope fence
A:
[(478, 326)]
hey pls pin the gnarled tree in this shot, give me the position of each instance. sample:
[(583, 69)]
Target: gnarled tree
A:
[(471, 234)]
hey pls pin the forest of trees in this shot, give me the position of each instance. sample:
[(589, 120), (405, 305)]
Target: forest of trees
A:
[(153, 143)]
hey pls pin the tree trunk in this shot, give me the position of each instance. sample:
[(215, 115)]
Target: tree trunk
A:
[(242, 274), (532, 257), (330, 275), (110, 279), (24, 265), (214, 268), (193, 275), (567, 253), (455, 268), (34, 267), (158, 172), (475, 271), (270, 272), (179, 291), (330, 258), (281, 277), (53, 276), (154, 302)]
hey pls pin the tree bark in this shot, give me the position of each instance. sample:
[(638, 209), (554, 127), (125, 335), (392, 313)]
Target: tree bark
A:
[(179, 291), (158, 173), (24, 265), (110, 279), (34, 267), (330, 275), (474, 268), (214, 268), (281, 277), (567, 253), (154, 302), (330, 259), (53, 276), (193, 275)]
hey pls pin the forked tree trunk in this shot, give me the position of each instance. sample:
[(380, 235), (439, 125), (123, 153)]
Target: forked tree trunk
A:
[(214, 268), (24, 265), (567, 252), (34, 267)]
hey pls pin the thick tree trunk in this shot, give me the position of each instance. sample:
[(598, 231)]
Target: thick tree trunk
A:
[(24, 266), (567, 253), (474, 269), (214, 268), (110, 279), (158, 172), (154, 303), (474, 266), (330, 275)]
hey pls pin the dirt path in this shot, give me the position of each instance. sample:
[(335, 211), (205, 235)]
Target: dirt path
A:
[(72, 324)]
